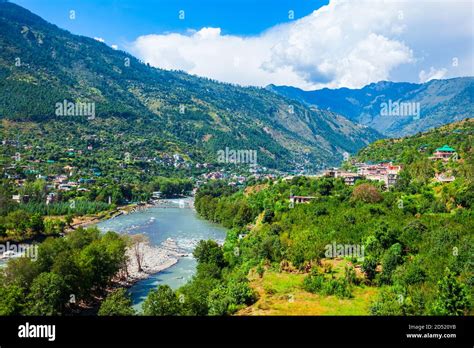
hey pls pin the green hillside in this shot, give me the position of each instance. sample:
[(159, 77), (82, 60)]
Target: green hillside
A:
[(459, 135), (169, 111), (413, 243)]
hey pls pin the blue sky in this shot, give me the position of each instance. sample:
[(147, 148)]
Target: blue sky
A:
[(332, 43), (121, 21)]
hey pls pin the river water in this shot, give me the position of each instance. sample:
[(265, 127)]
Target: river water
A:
[(174, 219)]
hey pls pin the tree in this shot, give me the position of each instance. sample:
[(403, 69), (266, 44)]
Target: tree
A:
[(69, 218), (117, 303), (47, 295), (209, 252), (196, 294), (162, 302), (391, 259), (97, 266), (366, 193), (453, 296), (369, 267), (138, 243), (11, 299), (66, 266), (219, 301), (21, 271)]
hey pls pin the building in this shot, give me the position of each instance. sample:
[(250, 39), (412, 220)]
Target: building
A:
[(351, 179), (301, 199), (443, 153), (348, 177), (444, 177), (21, 198), (392, 179)]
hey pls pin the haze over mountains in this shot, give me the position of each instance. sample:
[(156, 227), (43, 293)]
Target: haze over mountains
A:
[(42, 65), (440, 102)]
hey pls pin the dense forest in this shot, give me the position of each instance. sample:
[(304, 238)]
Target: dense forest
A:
[(143, 110)]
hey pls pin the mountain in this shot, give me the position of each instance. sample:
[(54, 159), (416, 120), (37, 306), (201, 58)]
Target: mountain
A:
[(148, 111), (457, 135), (438, 102)]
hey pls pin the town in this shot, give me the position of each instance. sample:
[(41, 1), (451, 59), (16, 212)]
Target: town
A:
[(69, 178)]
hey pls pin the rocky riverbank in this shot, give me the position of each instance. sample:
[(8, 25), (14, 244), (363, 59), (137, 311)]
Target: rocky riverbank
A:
[(154, 259)]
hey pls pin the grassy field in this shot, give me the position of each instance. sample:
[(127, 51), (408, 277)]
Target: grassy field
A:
[(282, 294)]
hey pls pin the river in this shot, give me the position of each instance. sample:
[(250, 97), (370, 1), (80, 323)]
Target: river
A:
[(173, 219)]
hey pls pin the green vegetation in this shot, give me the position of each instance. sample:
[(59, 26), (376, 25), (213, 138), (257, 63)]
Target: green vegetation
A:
[(68, 274), (159, 131), (408, 233), (117, 303), (152, 114), (214, 290)]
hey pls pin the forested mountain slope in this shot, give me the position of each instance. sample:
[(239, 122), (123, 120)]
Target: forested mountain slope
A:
[(171, 111)]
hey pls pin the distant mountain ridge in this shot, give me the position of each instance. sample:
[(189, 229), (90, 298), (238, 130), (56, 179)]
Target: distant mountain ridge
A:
[(440, 102), (42, 65)]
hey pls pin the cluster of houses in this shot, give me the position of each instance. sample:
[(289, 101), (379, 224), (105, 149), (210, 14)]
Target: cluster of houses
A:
[(383, 171)]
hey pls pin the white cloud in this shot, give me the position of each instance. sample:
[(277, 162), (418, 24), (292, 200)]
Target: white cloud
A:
[(346, 43), (432, 74), (115, 47), (99, 39)]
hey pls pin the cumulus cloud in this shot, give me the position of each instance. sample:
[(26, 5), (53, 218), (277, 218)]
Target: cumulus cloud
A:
[(99, 39), (343, 44), (432, 74)]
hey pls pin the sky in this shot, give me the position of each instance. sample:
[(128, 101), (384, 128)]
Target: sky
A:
[(309, 44)]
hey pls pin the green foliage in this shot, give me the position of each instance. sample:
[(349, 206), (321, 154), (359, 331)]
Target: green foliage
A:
[(391, 259), (453, 297), (79, 265), (326, 285), (410, 242), (12, 298), (162, 302), (117, 303), (209, 252), (369, 267), (47, 295)]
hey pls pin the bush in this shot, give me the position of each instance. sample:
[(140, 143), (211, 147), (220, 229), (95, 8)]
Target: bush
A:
[(47, 295), (366, 193), (320, 284), (369, 267), (453, 297), (162, 302), (118, 303)]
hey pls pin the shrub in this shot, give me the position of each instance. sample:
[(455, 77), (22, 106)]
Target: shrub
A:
[(366, 193), (118, 303)]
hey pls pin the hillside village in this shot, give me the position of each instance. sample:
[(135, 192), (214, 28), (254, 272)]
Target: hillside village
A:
[(68, 178)]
